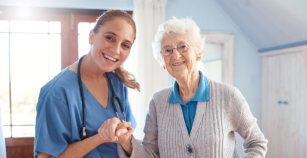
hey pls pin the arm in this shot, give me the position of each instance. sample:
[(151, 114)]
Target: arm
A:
[(149, 146), (78, 149), (106, 133), (246, 125)]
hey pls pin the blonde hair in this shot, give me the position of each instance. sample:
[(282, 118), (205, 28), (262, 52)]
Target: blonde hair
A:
[(127, 78)]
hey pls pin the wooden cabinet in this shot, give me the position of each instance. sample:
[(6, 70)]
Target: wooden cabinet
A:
[(284, 102), (19, 147)]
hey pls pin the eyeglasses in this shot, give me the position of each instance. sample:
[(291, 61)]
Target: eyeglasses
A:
[(181, 48)]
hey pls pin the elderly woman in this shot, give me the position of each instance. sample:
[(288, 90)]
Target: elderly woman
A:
[(197, 117)]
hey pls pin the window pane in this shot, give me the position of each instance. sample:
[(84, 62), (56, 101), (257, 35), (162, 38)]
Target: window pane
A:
[(29, 65), (29, 26), (83, 36), (212, 52), (85, 27), (83, 45), (4, 79), (54, 27), (212, 70), (6, 131), (4, 26), (54, 54), (23, 131), (212, 61)]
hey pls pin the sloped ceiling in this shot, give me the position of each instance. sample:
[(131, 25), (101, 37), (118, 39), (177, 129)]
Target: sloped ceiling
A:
[(270, 23)]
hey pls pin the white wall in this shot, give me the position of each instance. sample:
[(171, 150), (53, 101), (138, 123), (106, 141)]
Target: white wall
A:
[(88, 4), (247, 69)]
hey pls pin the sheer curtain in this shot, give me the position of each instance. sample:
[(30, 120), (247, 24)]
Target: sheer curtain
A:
[(2, 142), (148, 14)]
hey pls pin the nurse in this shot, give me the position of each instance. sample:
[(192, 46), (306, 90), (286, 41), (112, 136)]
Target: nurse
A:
[(59, 121)]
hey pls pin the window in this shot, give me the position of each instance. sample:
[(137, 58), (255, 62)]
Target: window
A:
[(30, 56), (217, 62), (34, 48), (83, 37), (211, 64)]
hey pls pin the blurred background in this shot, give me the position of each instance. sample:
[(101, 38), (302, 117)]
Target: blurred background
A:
[(258, 46)]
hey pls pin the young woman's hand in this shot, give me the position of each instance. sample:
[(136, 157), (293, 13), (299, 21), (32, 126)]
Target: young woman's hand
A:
[(107, 130)]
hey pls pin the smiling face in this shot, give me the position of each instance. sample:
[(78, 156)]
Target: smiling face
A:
[(111, 45), (180, 65)]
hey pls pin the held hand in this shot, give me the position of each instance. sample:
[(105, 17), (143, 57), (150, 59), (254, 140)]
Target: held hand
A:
[(107, 130), (124, 133)]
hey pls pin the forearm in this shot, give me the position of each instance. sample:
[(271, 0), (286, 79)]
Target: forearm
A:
[(127, 146), (139, 150), (81, 148)]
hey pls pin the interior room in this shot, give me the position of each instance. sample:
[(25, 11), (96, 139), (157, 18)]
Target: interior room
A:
[(260, 47)]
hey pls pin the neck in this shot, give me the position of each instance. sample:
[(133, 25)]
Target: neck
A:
[(89, 70), (188, 86)]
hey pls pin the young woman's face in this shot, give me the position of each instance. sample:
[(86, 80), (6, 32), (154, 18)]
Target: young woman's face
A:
[(111, 45)]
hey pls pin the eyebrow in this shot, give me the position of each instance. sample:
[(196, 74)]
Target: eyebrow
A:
[(116, 35), (178, 43)]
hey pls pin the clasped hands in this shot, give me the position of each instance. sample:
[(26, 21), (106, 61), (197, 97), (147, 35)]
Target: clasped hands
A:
[(116, 131)]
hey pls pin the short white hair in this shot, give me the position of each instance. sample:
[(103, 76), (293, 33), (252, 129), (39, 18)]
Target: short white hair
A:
[(181, 26)]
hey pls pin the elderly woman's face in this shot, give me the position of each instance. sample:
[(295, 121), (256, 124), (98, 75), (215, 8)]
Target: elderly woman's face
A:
[(179, 56)]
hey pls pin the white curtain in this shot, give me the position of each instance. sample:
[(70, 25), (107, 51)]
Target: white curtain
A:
[(2, 142), (148, 14)]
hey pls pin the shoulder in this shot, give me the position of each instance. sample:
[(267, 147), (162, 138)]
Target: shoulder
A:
[(116, 81), (160, 99), (226, 93), (220, 90), (64, 82), (162, 95), (220, 86)]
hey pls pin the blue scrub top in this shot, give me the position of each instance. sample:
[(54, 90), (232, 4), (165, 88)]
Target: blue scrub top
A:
[(59, 115)]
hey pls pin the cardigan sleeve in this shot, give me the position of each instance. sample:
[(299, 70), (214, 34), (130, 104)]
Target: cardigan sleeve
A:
[(246, 125), (149, 147)]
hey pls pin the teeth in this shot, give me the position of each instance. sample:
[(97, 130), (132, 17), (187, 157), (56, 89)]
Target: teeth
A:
[(110, 58), (179, 63)]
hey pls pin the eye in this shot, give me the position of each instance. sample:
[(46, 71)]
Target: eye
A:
[(127, 46), (182, 46), (168, 50), (109, 38)]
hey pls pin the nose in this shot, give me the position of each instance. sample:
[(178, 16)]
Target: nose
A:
[(175, 54), (116, 48)]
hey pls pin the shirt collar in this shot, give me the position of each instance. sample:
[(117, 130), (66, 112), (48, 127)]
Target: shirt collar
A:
[(202, 93)]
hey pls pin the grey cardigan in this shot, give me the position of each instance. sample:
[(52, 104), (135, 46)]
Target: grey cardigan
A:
[(213, 130)]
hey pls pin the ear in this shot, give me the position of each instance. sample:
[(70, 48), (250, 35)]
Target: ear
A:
[(164, 67), (199, 56), (91, 37)]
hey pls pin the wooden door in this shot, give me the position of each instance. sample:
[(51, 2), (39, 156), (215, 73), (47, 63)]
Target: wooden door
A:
[(284, 104)]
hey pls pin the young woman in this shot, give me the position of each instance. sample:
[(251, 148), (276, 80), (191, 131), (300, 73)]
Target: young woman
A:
[(79, 110)]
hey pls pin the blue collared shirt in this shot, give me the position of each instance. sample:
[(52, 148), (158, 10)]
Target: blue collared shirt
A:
[(189, 108)]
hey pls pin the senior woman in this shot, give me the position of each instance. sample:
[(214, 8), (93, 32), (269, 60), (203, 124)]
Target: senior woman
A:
[(196, 117)]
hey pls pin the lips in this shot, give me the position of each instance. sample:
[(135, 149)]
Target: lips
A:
[(109, 58), (178, 63)]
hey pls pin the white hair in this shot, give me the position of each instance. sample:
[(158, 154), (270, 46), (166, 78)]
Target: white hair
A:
[(180, 26)]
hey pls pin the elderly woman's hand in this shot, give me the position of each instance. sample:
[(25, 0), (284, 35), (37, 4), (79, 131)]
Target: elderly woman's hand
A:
[(124, 133)]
